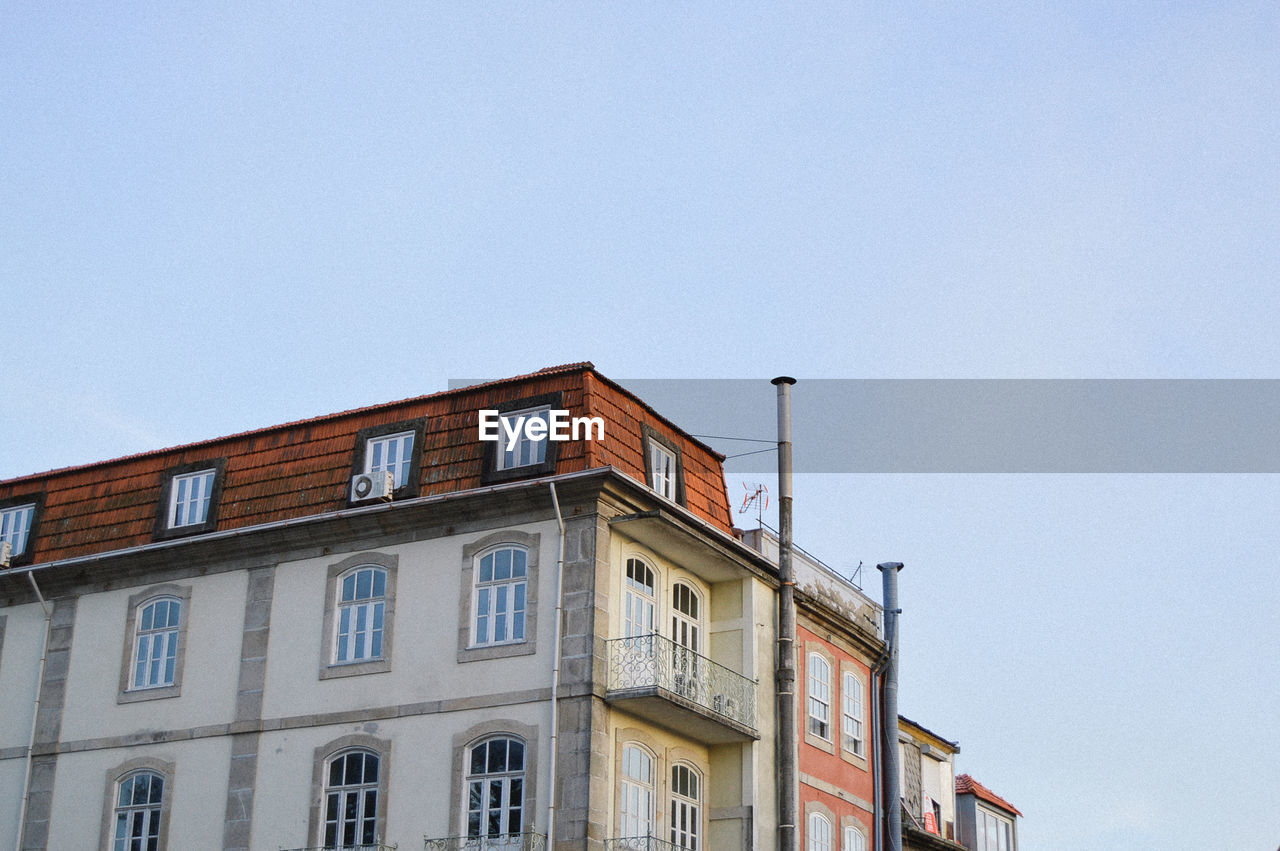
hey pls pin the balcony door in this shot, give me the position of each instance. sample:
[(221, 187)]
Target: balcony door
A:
[(686, 637)]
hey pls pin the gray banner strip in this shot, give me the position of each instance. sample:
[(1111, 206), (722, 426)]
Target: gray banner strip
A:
[(987, 426), (983, 425)]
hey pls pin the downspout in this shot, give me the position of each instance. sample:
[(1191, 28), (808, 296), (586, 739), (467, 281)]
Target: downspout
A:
[(788, 786), (893, 794), (555, 674), (877, 762), (35, 711)]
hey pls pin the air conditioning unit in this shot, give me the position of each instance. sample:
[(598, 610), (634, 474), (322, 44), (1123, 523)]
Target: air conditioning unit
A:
[(372, 486)]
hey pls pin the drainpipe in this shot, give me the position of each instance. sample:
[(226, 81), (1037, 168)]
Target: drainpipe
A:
[(788, 786), (555, 674), (877, 761), (35, 710), (893, 794)]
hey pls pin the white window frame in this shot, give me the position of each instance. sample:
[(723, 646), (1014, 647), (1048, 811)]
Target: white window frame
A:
[(819, 698), (190, 495), (512, 590), (15, 527), (686, 808), (854, 839), (377, 450), (852, 715), (508, 455), (144, 816), (338, 799), (360, 621), (640, 598), (508, 783), (818, 836), (638, 792), (155, 648), (662, 470), (987, 822)]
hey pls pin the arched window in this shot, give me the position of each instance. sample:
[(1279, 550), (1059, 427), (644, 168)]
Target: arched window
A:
[(639, 600), (851, 724), (501, 588), (155, 645), (686, 805), (854, 839), (819, 838), (494, 792), (362, 603), (819, 696), (351, 799), (637, 792), (139, 802)]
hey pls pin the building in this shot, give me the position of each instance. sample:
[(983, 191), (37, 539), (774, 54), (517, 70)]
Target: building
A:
[(374, 629), (986, 822), (839, 646), (927, 764)]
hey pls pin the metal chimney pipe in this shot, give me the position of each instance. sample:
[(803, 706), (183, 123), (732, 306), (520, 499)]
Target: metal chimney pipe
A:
[(788, 733), (889, 747)]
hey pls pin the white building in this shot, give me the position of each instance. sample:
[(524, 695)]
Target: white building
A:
[(245, 646)]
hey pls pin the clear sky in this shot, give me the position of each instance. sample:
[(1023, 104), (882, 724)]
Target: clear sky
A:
[(215, 217)]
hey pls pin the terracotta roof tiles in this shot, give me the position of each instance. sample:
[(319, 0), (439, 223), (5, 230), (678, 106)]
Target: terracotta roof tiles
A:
[(304, 467), (966, 785)]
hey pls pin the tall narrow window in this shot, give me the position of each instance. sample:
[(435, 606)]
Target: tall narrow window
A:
[(819, 697), (362, 601), (685, 634), (685, 807), (392, 453), (139, 803), (662, 470), (636, 807), (819, 838), (854, 839), (351, 800), (189, 496), (851, 737), (516, 448), (638, 603), (500, 596), (155, 643), (495, 789), (15, 527)]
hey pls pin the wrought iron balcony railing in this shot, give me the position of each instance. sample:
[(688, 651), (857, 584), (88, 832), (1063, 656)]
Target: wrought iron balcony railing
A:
[(376, 846), (504, 842), (647, 661), (639, 843)]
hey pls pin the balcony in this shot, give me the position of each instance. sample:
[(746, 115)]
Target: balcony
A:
[(375, 846), (672, 686), (639, 843), (503, 842)]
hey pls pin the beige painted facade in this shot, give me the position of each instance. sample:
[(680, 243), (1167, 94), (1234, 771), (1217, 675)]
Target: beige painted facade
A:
[(243, 737)]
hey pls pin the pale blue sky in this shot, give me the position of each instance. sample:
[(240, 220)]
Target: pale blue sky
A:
[(218, 217)]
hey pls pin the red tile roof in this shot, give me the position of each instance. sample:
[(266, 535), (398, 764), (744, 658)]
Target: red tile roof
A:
[(966, 785), (304, 467)]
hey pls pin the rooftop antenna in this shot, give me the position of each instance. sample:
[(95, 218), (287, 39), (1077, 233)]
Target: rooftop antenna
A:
[(759, 496)]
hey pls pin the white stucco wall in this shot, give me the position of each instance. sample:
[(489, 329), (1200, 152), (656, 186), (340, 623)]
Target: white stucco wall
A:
[(215, 622)]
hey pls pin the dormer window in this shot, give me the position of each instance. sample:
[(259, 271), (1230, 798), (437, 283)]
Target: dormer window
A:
[(663, 465), (189, 498), (395, 448), (523, 448), (16, 523)]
